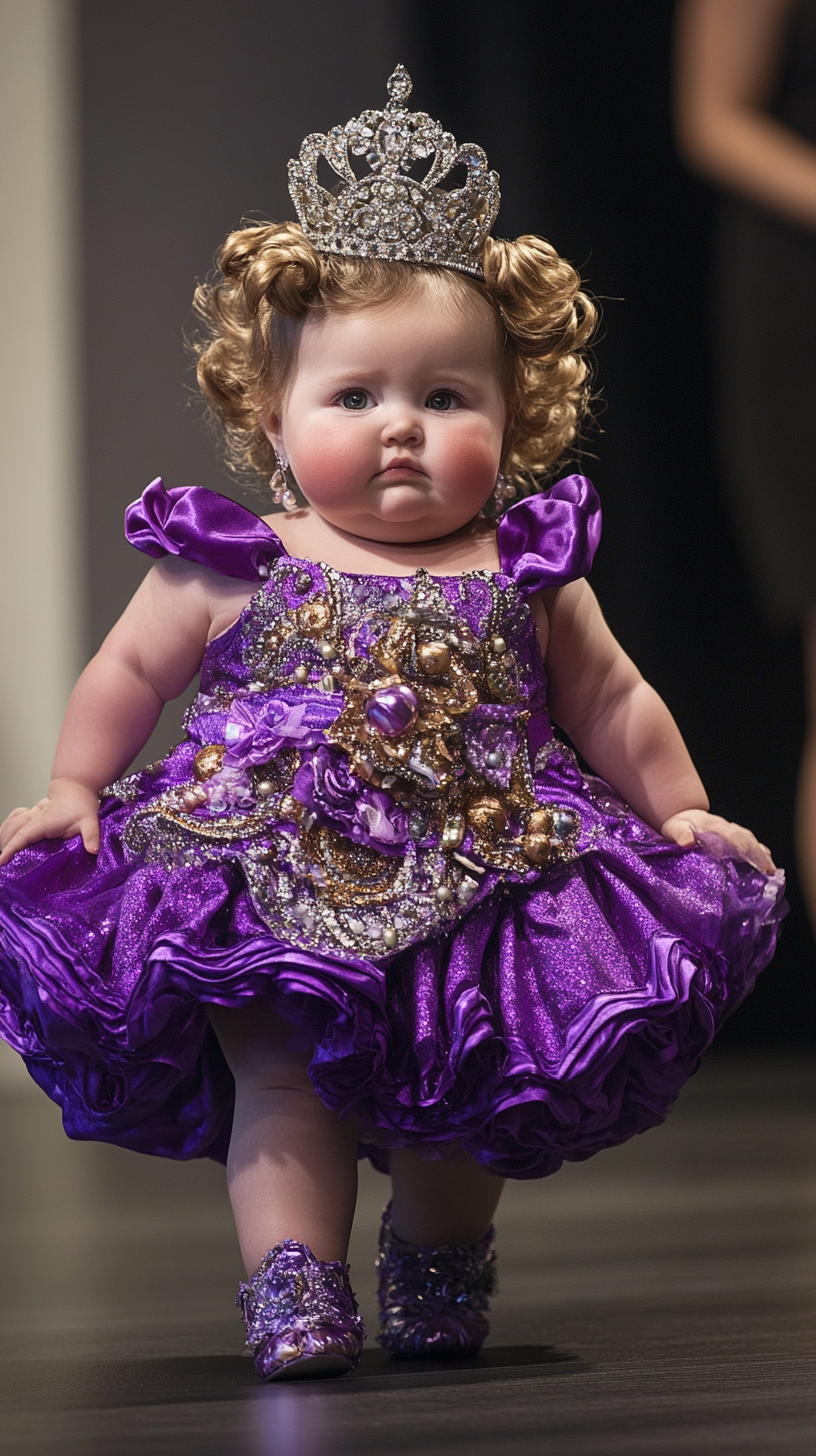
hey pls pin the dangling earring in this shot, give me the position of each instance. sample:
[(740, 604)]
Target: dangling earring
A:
[(282, 494), (504, 490)]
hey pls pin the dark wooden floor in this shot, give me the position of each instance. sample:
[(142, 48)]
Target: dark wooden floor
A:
[(657, 1301)]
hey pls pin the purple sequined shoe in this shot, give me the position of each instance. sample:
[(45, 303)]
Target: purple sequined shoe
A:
[(301, 1316), (434, 1301)]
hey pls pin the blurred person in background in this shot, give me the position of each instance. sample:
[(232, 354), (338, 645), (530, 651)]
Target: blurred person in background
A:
[(746, 119)]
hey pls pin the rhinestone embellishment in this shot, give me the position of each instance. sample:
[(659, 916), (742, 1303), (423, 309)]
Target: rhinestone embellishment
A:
[(391, 213), (372, 776)]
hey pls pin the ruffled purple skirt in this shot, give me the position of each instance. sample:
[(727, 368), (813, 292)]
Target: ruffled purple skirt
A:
[(556, 1018)]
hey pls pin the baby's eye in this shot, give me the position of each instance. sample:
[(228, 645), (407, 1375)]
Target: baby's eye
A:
[(441, 399), (355, 399)]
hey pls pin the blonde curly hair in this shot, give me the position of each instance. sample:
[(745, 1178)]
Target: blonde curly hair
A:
[(270, 279)]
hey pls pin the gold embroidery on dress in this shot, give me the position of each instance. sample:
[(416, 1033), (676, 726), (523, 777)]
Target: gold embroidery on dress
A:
[(472, 811)]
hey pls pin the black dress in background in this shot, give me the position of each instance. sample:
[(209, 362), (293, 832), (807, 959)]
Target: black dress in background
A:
[(765, 299)]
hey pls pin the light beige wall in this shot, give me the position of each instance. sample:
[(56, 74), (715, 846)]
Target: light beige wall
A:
[(39, 389)]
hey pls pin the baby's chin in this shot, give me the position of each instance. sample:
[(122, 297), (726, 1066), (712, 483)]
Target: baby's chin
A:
[(404, 527), (405, 509), (402, 502)]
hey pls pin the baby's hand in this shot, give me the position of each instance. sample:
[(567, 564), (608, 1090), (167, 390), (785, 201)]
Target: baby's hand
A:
[(682, 827), (70, 808)]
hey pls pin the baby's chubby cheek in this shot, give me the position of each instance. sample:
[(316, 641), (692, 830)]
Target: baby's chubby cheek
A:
[(467, 465), (329, 465)]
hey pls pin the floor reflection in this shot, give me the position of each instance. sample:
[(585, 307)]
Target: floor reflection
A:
[(289, 1421)]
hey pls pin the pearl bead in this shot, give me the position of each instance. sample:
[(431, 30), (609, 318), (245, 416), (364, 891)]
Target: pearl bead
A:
[(325, 649), (433, 658), (498, 646), (392, 710), (302, 673), (488, 816), (389, 937), (443, 894), (264, 789), (495, 759)]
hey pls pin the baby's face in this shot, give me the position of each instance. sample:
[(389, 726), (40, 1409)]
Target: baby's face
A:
[(395, 417)]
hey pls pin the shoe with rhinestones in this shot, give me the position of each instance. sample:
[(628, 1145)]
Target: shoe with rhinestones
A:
[(434, 1301), (301, 1316)]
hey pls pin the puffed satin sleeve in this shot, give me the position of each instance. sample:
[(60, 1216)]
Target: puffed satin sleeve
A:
[(200, 525), (550, 539)]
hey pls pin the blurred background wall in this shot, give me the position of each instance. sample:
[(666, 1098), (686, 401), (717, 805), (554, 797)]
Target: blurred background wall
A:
[(181, 115), (41, 411)]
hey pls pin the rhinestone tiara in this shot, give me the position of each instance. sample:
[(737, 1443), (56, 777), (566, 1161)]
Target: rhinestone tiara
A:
[(388, 213)]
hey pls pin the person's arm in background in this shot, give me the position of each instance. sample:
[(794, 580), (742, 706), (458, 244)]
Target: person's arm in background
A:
[(727, 61)]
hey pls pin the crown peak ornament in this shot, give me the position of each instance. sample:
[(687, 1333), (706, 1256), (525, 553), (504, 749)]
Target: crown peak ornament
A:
[(399, 86), (391, 212)]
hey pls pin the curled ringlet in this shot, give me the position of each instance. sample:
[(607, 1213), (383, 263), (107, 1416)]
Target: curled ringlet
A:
[(270, 278)]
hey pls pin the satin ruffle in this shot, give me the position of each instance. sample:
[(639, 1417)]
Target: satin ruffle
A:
[(550, 539), (202, 526), (555, 1020), (544, 540)]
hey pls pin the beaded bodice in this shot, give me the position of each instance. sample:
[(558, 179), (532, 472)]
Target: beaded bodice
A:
[(364, 746)]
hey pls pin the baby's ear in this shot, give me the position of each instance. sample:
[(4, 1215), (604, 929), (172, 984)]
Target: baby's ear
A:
[(270, 423)]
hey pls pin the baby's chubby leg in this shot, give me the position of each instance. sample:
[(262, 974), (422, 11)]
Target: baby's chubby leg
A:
[(439, 1202), (292, 1165)]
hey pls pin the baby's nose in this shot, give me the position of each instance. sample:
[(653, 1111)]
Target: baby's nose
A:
[(403, 427)]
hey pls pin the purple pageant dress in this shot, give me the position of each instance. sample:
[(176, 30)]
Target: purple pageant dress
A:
[(371, 827)]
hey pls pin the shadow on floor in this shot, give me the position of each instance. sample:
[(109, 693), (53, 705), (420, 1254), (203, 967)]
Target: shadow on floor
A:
[(95, 1385)]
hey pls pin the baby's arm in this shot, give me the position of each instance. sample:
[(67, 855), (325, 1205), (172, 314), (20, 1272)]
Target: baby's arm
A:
[(150, 656), (623, 729)]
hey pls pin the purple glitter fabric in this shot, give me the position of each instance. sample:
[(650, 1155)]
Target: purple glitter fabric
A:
[(487, 949)]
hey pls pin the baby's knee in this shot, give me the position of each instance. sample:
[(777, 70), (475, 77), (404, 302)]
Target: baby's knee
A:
[(256, 1047), (288, 1072)]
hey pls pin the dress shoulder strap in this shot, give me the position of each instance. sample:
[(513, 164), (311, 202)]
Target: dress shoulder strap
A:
[(550, 539), (200, 525)]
